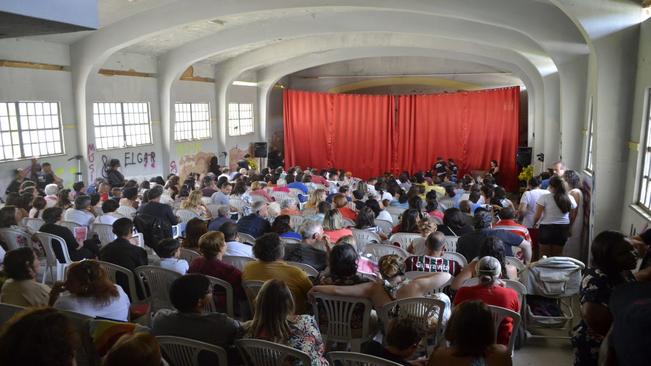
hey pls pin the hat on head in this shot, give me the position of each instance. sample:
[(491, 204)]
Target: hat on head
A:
[(489, 267)]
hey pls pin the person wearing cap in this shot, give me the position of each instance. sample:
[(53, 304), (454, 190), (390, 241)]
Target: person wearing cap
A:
[(469, 244), (128, 202), (113, 175), (490, 291), (256, 223)]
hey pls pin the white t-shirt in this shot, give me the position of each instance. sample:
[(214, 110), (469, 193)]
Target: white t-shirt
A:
[(83, 218), (126, 211), (235, 248), (175, 264), (551, 213), (531, 198), (108, 218), (117, 308)]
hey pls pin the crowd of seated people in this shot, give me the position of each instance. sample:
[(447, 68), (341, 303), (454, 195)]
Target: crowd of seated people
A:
[(488, 224)]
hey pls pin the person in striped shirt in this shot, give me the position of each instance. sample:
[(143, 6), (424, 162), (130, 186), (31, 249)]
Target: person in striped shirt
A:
[(433, 260)]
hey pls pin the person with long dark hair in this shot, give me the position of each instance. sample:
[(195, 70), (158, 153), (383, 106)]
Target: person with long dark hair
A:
[(558, 211), (113, 175)]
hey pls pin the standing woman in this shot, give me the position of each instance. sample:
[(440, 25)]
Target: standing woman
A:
[(574, 247), (612, 262), (558, 211)]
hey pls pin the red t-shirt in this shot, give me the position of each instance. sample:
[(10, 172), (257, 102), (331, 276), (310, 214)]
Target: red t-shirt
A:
[(497, 296), (334, 235), (348, 213)]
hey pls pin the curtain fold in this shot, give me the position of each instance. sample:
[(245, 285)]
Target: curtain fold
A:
[(364, 134)]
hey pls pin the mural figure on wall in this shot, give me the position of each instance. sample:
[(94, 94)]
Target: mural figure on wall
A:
[(197, 163), (234, 155)]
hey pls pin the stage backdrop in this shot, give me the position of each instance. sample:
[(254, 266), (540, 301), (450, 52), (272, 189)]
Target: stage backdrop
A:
[(370, 134)]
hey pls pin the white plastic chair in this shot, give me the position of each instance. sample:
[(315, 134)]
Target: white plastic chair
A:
[(178, 230), (420, 309), (385, 226), (365, 237), (515, 262), (158, 281), (104, 233), (457, 257), (33, 224), (206, 200), (499, 314), (309, 270), (189, 255), (294, 192), (380, 250), (113, 269), (451, 243), (346, 222), (246, 238), (70, 225), (237, 261), (404, 239), (338, 310), (180, 351), (211, 307), (357, 359), (15, 238), (395, 213), (52, 263), (186, 215), (251, 289), (256, 352), (279, 196), (295, 222)]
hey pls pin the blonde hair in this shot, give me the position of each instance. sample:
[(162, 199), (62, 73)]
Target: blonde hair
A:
[(273, 305), (211, 244), (391, 266), (193, 200), (315, 198)]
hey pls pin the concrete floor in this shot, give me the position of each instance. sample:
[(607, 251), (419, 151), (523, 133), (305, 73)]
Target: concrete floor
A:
[(544, 352)]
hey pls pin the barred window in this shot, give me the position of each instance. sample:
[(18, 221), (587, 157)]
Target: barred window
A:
[(645, 186), (240, 119), (192, 121), (119, 125), (30, 130)]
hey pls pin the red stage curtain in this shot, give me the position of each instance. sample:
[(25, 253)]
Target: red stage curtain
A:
[(360, 133), (351, 132), (472, 128)]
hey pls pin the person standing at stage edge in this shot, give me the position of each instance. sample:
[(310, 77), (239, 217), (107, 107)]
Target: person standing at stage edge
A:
[(440, 167)]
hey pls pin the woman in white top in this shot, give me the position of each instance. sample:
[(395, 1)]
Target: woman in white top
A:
[(528, 201), (574, 247), (558, 210), (91, 292)]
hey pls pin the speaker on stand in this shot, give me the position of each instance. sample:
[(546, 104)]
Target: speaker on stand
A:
[(260, 152), (523, 156)]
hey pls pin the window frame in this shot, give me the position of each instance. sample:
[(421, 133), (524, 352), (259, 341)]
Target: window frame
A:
[(19, 130), (239, 119), (644, 177), (192, 122), (589, 159), (123, 125)]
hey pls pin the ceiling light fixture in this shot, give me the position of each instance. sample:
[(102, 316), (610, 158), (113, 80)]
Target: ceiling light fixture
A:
[(244, 83), (217, 21)]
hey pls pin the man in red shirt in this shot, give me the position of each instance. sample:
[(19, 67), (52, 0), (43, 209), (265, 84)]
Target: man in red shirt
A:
[(341, 203), (491, 292), (507, 222)]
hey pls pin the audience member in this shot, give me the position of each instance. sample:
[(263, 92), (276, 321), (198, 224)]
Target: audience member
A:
[(82, 213), (333, 225), (256, 223), (128, 202), (39, 336), (492, 247), (489, 291), (268, 249), (20, 288), (169, 251), (558, 211), (277, 319), (78, 251), (159, 210), (433, 260), (136, 349), (469, 245), (506, 217), (113, 176), (194, 229), (401, 342), (223, 216), (89, 291), (289, 207), (110, 215), (51, 194), (471, 348), (341, 203), (313, 248), (281, 227)]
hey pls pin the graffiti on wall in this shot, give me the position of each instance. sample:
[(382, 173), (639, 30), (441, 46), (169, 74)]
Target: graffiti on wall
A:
[(130, 158), (91, 162)]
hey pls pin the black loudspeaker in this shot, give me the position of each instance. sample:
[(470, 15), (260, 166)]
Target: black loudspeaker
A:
[(523, 157), (260, 149)]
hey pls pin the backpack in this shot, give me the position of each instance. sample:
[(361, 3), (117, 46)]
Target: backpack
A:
[(153, 229)]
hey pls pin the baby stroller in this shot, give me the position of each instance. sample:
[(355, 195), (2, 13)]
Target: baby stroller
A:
[(551, 285)]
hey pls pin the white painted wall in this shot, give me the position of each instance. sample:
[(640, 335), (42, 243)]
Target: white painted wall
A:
[(634, 157)]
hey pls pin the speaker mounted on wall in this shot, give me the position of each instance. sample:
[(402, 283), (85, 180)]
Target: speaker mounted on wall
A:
[(260, 149)]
